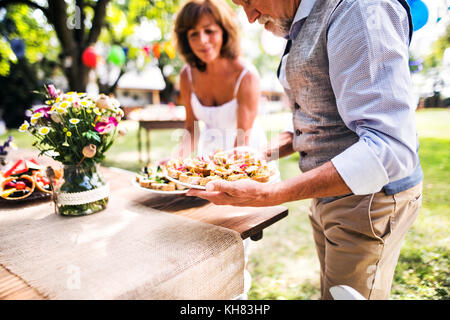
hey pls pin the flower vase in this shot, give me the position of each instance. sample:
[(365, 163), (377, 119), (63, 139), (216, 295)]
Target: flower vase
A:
[(83, 192)]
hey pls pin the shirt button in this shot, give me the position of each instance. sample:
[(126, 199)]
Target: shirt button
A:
[(303, 154), (297, 106), (298, 132)]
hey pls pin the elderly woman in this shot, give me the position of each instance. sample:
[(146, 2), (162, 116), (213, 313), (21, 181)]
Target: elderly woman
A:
[(217, 87)]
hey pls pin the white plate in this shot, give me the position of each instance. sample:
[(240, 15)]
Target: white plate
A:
[(192, 186), (275, 178), (136, 184)]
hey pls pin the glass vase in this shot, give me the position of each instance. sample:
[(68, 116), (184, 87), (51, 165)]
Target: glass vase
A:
[(83, 192)]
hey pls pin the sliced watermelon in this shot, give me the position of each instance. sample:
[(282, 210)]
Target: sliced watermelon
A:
[(33, 165), (13, 168)]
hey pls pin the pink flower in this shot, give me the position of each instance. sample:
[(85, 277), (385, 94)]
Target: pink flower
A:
[(52, 91), (44, 110), (106, 127), (113, 121)]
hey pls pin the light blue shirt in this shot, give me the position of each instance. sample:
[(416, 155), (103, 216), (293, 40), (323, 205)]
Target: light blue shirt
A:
[(368, 52)]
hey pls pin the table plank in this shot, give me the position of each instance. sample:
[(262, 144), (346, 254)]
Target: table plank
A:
[(12, 287)]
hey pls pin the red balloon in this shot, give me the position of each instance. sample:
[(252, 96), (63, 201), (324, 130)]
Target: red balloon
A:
[(89, 57), (147, 50)]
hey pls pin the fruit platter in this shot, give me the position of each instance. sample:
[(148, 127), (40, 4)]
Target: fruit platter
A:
[(26, 180)]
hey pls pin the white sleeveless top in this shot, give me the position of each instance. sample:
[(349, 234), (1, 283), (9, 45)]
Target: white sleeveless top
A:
[(221, 122)]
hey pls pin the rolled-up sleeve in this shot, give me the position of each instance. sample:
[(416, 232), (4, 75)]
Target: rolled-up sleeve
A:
[(369, 72)]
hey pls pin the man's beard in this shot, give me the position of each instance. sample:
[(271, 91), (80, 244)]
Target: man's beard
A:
[(279, 27)]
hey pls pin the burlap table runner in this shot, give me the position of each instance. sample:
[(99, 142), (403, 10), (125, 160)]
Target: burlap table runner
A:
[(124, 252)]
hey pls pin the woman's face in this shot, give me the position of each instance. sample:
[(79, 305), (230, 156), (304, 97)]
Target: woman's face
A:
[(206, 39)]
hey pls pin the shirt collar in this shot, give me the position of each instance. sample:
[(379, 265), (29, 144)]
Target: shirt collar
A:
[(303, 11)]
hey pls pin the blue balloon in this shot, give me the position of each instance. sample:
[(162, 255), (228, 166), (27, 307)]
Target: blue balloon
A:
[(419, 13), (18, 47)]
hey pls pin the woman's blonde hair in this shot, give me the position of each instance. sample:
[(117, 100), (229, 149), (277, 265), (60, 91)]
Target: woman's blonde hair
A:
[(188, 17)]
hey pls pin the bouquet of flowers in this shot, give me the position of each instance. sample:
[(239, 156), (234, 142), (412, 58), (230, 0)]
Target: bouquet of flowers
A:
[(76, 129)]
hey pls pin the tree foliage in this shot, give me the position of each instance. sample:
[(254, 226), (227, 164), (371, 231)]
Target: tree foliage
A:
[(434, 59), (57, 32), (78, 24)]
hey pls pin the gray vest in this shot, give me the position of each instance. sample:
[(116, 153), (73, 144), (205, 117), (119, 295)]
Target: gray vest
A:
[(319, 131)]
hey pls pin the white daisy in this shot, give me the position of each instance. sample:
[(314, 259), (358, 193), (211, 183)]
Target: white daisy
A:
[(24, 126), (44, 130)]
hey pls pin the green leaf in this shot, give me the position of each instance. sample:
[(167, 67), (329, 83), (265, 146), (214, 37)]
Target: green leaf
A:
[(92, 135)]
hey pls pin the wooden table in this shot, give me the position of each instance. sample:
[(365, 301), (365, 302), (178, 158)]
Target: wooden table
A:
[(148, 125), (154, 117), (247, 221)]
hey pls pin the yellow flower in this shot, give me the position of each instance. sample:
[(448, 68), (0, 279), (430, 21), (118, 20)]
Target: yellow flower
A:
[(65, 129), (60, 110), (24, 126), (37, 115), (88, 110), (69, 134), (85, 103), (64, 104), (74, 121), (97, 112), (44, 130)]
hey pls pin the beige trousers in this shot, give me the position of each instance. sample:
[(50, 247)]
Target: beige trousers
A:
[(358, 239)]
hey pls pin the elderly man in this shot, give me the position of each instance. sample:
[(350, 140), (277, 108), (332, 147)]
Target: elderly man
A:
[(345, 70)]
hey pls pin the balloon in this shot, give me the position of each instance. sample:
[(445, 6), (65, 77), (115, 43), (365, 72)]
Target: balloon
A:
[(146, 50), (419, 13), (18, 47), (157, 50), (125, 50), (90, 57), (169, 49), (116, 55)]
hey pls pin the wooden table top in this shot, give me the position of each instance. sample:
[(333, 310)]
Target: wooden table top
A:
[(247, 221)]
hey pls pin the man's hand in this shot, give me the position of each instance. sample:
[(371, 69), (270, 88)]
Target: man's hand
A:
[(241, 193), (321, 182)]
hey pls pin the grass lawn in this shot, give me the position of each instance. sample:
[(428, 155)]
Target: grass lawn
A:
[(284, 264)]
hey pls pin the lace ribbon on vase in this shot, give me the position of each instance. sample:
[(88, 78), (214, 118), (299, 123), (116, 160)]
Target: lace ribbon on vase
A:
[(77, 198)]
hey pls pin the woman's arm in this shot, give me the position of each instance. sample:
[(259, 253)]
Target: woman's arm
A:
[(248, 101), (189, 140), (279, 147)]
